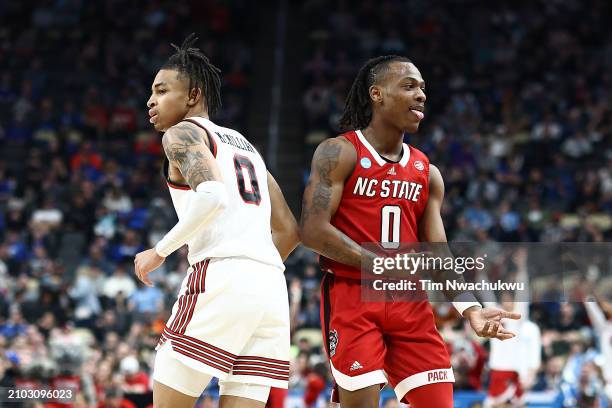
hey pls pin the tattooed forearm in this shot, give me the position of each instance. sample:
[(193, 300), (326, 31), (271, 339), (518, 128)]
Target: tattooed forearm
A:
[(345, 250), (320, 201), (183, 146), (331, 251)]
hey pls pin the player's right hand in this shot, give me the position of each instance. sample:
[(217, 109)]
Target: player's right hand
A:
[(487, 322), (146, 262)]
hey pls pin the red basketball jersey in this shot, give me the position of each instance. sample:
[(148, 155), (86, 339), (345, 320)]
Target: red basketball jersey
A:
[(382, 201)]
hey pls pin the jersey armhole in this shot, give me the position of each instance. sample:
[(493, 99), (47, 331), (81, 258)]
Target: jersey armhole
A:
[(166, 176)]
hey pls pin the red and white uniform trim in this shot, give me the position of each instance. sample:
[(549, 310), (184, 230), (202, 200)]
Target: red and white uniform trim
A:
[(263, 367), (231, 321), (200, 351)]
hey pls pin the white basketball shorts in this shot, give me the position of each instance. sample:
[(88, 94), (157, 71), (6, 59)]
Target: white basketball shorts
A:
[(231, 321)]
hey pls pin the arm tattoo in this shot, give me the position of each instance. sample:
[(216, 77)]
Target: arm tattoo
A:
[(334, 244), (183, 151), (326, 161)]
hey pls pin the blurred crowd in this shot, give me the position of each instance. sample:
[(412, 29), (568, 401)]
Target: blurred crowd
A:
[(519, 121)]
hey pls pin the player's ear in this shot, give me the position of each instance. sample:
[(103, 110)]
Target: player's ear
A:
[(376, 94), (194, 97)]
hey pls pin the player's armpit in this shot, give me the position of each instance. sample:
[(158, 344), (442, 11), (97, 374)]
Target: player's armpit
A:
[(285, 232), (332, 163), (187, 150)]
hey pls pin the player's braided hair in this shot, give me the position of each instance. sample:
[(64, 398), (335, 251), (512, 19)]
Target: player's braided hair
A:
[(191, 62), (358, 107)]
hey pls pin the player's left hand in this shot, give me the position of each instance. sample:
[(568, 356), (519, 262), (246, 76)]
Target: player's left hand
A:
[(487, 322), (146, 262)]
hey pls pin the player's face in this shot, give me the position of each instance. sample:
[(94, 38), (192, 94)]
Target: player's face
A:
[(168, 103), (402, 96)]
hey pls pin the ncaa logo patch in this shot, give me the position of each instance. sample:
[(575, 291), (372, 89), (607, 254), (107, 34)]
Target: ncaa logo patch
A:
[(333, 342), (419, 165), (365, 163)]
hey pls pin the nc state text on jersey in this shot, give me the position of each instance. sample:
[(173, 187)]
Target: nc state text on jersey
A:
[(370, 187)]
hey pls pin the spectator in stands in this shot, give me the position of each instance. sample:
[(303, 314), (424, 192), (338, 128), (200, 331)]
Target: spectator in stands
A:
[(602, 327), (113, 398), (118, 282), (134, 380), (145, 302), (316, 381)]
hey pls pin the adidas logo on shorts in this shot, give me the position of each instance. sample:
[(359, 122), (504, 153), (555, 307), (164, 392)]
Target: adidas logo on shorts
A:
[(356, 366)]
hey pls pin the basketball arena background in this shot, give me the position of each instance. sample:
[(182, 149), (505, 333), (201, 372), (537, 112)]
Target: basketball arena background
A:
[(520, 125)]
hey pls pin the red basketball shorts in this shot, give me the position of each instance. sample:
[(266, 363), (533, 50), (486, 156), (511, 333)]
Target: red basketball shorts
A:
[(372, 343)]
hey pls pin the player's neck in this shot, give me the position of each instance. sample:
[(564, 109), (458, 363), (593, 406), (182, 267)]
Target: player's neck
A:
[(197, 111), (386, 140)]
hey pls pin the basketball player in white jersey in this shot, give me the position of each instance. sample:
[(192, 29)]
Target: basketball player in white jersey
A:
[(231, 319)]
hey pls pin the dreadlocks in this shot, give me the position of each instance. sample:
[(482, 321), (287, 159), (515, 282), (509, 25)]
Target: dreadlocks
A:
[(358, 107), (192, 63)]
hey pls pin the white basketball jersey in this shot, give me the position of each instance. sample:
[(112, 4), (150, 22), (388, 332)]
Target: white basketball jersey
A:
[(243, 229)]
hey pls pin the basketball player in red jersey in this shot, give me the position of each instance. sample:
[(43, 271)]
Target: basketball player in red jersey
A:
[(361, 185)]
